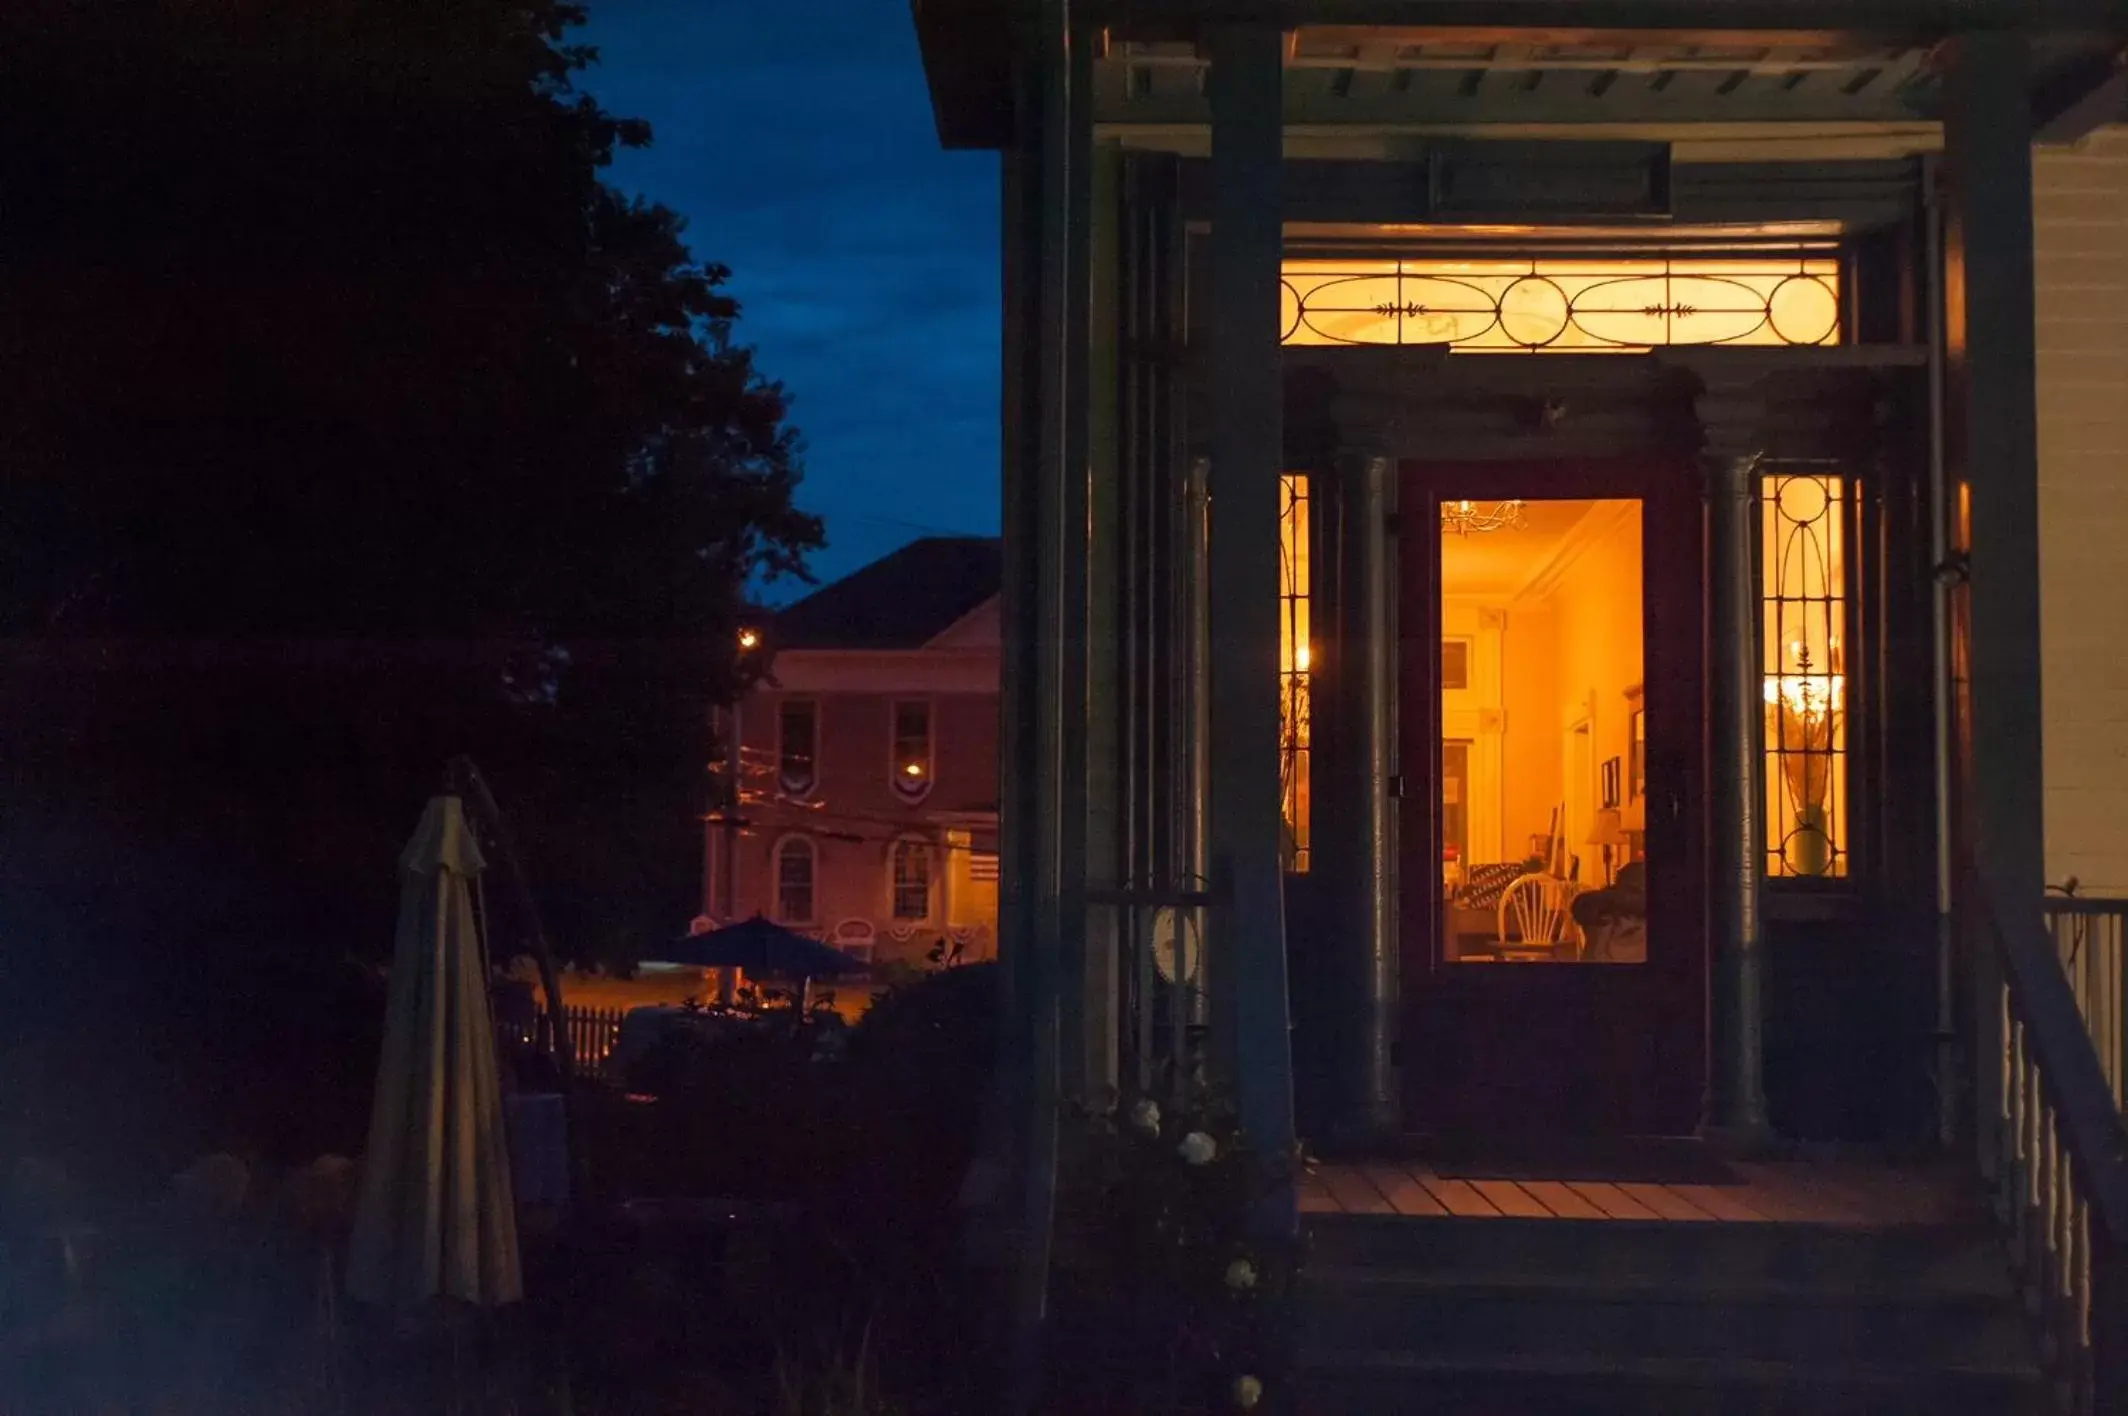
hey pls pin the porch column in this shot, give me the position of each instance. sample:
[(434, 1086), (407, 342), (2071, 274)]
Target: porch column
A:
[(1248, 954), (1737, 853), (1991, 436), (1356, 852)]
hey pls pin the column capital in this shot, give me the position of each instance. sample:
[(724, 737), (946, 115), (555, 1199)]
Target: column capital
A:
[(1732, 416)]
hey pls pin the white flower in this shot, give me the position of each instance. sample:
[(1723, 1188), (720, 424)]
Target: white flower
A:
[(1247, 1392), (1197, 1148), (1241, 1275), (1146, 1116)]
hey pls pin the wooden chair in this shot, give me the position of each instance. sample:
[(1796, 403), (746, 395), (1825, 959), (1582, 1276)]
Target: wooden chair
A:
[(1540, 906)]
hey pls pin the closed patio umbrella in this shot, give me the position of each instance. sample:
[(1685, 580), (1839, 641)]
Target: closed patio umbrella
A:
[(434, 1215)]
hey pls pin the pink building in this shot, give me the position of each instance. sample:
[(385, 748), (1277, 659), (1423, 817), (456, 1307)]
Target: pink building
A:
[(866, 763)]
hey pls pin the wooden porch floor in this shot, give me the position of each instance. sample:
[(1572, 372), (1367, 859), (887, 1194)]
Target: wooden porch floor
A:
[(1779, 1192)]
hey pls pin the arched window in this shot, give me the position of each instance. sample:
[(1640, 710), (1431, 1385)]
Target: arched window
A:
[(797, 746), (795, 868), (910, 758), (911, 865)]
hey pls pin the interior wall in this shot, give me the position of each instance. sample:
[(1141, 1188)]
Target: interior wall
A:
[(1597, 602), (1530, 676)]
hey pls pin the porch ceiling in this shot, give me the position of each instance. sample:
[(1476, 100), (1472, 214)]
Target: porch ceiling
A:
[(1531, 66), (1343, 77)]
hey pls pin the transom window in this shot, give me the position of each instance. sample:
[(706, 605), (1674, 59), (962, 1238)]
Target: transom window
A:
[(911, 754), (912, 880), (795, 864), (1563, 306)]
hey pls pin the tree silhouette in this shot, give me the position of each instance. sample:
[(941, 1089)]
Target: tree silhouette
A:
[(351, 421)]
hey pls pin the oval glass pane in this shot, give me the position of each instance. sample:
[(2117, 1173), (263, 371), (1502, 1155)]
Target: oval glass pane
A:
[(1803, 499), (1288, 312), (1533, 311), (1442, 311), (1671, 309), (1804, 310), (1358, 310)]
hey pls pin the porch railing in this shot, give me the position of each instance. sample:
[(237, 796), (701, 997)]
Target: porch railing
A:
[(2056, 1153), (2090, 936)]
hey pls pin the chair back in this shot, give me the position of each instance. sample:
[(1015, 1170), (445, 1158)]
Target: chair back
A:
[(1538, 906)]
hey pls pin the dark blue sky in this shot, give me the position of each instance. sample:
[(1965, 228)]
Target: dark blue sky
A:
[(796, 137)]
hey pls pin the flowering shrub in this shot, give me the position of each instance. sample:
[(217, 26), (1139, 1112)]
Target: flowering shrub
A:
[(1169, 1297)]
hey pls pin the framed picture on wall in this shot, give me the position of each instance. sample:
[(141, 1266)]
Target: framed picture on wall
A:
[(1610, 783), (1637, 761)]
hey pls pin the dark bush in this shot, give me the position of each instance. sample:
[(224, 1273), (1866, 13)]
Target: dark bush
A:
[(920, 1064)]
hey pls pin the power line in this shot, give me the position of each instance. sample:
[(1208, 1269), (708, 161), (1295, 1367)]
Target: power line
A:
[(899, 830)]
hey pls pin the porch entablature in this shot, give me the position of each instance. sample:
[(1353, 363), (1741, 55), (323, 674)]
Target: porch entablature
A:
[(1361, 69)]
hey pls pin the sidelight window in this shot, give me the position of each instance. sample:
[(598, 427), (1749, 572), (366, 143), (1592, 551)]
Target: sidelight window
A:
[(1294, 663), (1806, 562)]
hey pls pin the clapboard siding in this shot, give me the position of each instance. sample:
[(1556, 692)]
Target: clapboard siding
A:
[(2080, 203)]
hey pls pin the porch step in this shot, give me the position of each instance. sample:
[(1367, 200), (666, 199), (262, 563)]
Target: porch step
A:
[(1399, 1384), (1422, 1314)]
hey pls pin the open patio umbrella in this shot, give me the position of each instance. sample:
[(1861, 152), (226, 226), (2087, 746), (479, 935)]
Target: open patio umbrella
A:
[(760, 946), (434, 1215)]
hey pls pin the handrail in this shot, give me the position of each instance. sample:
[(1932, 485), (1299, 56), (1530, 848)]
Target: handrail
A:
[(2071, 1077), (2090, 937), (2058, 1157)]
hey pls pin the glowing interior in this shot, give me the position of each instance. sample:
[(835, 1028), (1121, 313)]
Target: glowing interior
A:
[(1563, 305)]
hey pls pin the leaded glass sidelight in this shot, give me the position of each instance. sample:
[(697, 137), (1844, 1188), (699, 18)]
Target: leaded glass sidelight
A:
[(1293, 663), (1565, 305), (1806, 515)]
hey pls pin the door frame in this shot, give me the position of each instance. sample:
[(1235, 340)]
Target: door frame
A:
[(1674, 989)]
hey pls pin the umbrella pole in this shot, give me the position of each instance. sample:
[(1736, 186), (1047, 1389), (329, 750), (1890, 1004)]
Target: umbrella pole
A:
[(467, 776)]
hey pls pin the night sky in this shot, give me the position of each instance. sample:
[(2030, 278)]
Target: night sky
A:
[(796, 137)]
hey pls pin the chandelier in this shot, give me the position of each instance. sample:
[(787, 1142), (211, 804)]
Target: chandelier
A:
[(1464, 517)]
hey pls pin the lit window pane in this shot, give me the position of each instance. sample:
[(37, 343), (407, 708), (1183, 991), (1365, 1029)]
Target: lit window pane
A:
[(1564, 306), (1804, 518), (1294, 656), (911, 764)]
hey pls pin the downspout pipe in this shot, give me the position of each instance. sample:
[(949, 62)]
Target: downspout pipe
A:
[(1948, 1109)]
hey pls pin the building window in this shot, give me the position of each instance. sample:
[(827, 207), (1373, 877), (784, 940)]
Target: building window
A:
[(1564, 306), (795, 868), (911, 761), (1806, 560), (797, 746), (911, 862), (1294, 658)]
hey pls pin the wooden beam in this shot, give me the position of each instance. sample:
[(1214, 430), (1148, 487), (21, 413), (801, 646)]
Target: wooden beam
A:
[(1570, 21), (1439, 103), (2088, 99), (1406, 36)]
